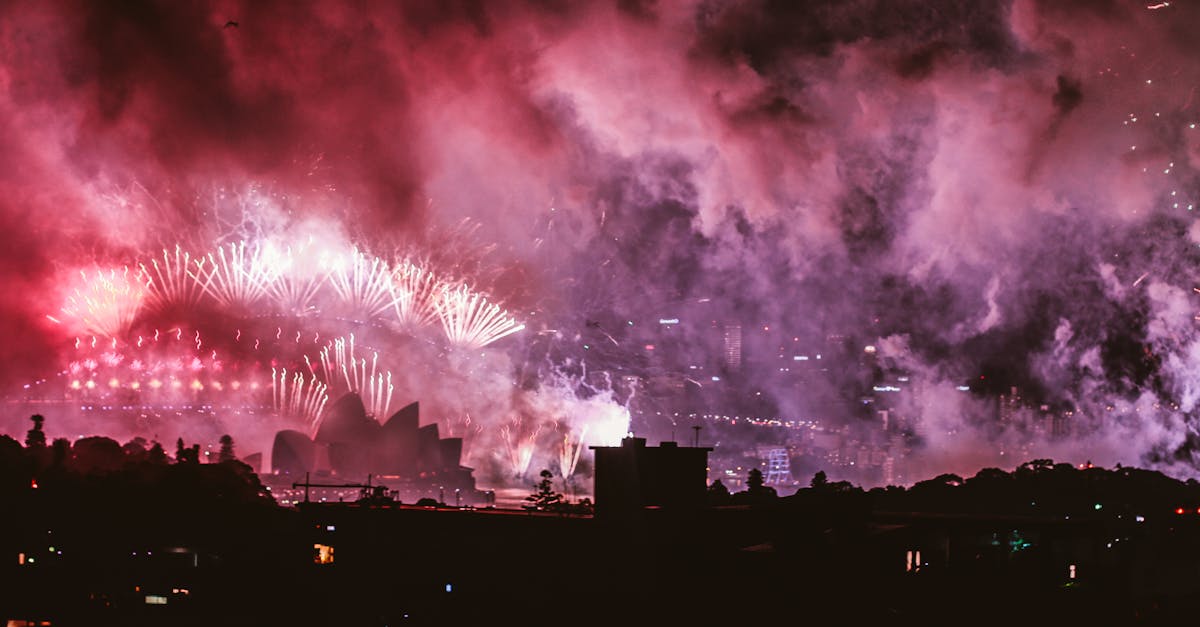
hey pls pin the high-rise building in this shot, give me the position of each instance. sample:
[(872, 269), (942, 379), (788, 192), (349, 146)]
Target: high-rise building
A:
[(1010, 404), (733, 346), (889, 471)]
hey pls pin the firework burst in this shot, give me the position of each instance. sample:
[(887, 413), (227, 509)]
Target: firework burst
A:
[(235, 276), (470, 321), (363, 283), (170, 282), (108, 302), (416, 290)]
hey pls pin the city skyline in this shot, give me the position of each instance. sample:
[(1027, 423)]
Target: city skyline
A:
[(538, 219)]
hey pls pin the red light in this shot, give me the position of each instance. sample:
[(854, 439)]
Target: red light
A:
[(33, 484), (1179, 510)]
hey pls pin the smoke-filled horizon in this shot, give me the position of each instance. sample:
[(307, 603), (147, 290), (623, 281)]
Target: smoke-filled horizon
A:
[(991, 194)]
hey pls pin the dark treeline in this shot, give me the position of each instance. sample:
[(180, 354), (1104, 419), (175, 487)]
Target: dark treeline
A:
[(1038, 488), (98, 532)]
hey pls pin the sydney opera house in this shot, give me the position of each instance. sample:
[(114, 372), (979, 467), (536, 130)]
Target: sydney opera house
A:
[(350, 445)]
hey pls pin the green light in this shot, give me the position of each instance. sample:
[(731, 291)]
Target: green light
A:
[(1098, 506)]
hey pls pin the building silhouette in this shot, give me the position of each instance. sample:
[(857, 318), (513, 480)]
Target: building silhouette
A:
[(352, 445), (633, 476)]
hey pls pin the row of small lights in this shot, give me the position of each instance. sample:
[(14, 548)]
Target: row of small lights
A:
[(156, 384)]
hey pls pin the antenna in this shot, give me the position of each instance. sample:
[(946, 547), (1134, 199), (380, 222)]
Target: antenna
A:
[(696, 440)]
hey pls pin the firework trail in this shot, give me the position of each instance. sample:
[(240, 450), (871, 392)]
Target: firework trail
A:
[(519, 448), (568, 455), (470, 321), (363, 283), (416, 291), (339, 363), (108, 303), (466, 429), (297, 396), (235, 279), (148, 365), (170, 282)]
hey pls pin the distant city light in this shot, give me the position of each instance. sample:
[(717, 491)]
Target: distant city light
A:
[(668, 321)]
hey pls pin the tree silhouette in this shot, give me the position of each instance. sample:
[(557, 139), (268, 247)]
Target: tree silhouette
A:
[(755, 489), (156, 455), (135, 448), (226, 452), (754, 480), (35, 437), (718, 494), (544, 498)]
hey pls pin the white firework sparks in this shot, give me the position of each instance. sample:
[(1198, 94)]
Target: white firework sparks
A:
[(416, 290), (108, 302), (299, 397), (170, 282), (470, 321), (360, 375), (235, 276), (363, 283)]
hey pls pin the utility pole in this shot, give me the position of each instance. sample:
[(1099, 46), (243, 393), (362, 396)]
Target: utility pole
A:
[(696, 439)]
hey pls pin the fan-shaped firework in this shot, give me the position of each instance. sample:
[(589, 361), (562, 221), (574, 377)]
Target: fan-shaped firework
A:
[(416, 290), (235, 276), (363, 283), (170, 282), (107, 302), (470, 321)]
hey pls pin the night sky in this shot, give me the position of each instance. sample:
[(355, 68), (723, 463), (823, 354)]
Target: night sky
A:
[(992, 194)]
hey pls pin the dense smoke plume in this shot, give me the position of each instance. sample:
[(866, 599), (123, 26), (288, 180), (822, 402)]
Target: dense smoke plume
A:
[(993, 194)]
